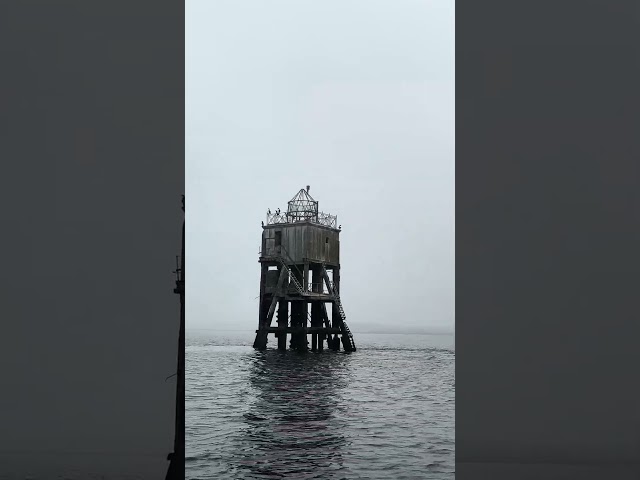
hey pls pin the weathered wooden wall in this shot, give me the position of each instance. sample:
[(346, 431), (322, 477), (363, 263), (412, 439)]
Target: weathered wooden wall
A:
[(305, 241)]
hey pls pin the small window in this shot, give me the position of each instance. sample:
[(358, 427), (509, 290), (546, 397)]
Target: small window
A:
[(278, 239), (326, 240)]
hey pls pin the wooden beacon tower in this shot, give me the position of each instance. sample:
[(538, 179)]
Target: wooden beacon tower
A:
[(296, 245)]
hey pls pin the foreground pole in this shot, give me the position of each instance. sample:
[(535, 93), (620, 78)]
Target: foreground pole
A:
[(176, 465)]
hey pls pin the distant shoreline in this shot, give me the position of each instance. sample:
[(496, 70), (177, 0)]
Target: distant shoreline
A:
[(369, 332)]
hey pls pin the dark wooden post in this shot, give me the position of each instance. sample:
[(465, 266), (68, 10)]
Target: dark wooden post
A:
[(335, 312), (305, 303), (283, 322), (264, 305), (298, 317), (316, 311)]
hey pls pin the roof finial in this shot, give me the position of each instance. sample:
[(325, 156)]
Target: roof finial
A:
[(308, 187)]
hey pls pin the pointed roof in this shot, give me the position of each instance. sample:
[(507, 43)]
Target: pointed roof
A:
[(302, 207), (303, 196)]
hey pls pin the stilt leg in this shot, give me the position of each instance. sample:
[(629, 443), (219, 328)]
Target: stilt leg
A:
[(283, 321)]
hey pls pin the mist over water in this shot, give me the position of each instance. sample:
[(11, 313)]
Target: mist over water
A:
[(385, 411)]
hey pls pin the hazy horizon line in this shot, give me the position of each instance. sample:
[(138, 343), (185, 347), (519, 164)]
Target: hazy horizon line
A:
[(379, 332)]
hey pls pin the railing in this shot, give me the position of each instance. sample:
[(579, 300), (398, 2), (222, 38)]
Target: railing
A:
[(276, 218), (326, 219)]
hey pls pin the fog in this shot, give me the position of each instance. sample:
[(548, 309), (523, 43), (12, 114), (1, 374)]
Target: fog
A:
[(355, 99)]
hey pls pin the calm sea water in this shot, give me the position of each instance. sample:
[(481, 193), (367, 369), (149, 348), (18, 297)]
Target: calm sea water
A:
[(383, 412)]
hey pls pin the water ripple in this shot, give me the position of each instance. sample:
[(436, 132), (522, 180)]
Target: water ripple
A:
[(386, 411)]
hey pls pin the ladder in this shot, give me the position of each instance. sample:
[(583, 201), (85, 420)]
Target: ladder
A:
[(293, 278), (283, 262), (334, 292)]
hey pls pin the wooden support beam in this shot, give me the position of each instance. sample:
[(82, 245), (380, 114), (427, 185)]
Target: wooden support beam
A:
[(301, 330), (263, 276), (283, 322), (325, 315), (272, 309), (325, 276), (260, 342), (335, 311), (276, 297), (305, 308), (346, 340)]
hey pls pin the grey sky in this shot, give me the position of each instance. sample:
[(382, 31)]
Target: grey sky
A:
[(355, 99)]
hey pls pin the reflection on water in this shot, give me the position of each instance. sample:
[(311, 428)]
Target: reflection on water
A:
[(385, 411), (294, 424)]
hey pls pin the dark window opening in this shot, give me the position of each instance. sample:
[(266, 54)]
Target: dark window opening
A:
[(278, 239), (326, 240)]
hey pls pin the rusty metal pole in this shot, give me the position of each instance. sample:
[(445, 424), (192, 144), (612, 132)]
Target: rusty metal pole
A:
[(176, 465)]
